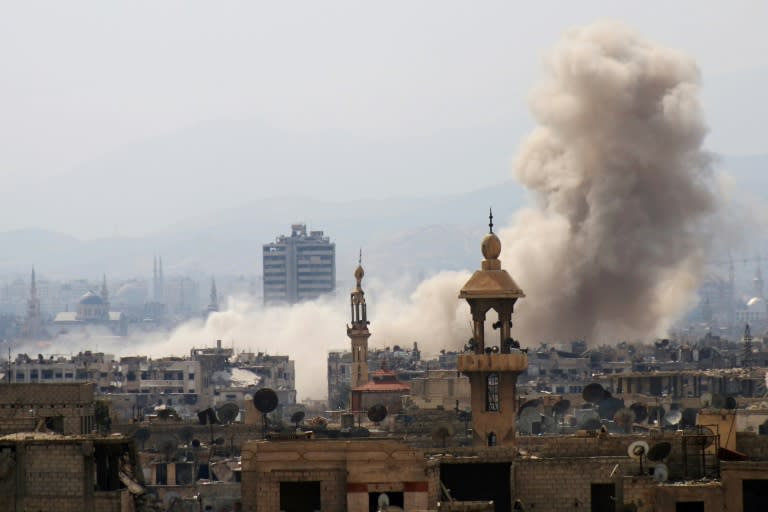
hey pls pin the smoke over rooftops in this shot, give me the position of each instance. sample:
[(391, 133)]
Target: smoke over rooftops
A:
[(614, 247)]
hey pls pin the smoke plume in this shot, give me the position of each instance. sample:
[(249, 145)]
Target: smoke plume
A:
[(614, 247)]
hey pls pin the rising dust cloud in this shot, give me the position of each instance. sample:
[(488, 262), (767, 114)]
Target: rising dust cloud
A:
[(612, 249), (615, 246)]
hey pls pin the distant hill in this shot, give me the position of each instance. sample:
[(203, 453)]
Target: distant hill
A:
[(401, 234)]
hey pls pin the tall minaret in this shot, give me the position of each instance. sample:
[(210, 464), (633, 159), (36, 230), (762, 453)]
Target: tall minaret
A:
[(155, 292), (214, 304), (757, 282), (492, 369), (104, 292), (358, 331), (160, 283), (32, 324)]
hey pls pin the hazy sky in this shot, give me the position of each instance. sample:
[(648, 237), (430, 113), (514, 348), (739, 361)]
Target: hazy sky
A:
[(79, 80)]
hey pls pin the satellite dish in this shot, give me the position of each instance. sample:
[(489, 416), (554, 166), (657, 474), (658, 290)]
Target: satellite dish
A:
[(142, 435), (705, 399), (730, 403), (673, 417), (608, 407), (640, 411), (660, 472), (624, 419), (588, 420), (228, 412), (659, 451), (656, 413), (265, 400), (530, 403), (383, 501), (195, 443), (593, 393), (637, 450), (441, 433), (718, 402), (703, 438), (167, 445), (527, 418), (377, 413), (689, 417), (297, 418), (186, 434), (561, 407)]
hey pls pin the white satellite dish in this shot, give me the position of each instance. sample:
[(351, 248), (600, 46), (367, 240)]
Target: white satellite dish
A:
[(705, 399), (528, 417), (673, 417), (383, 502), (660, 473), (637, 450)]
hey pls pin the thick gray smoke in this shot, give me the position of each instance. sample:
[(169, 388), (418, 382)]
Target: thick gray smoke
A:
[(615, 247)]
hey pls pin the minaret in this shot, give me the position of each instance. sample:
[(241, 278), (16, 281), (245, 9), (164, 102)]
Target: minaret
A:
[(32, 324), (214, 304), (104, 292), (492, 369), (757, 282), (747, 358), (160, 283), (155, 292), (358, 330)]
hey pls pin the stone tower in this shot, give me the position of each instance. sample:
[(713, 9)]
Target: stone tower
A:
[(358, 331), (32, 324), (492, 369)]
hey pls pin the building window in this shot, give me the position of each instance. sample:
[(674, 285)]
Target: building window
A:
[(492, 439), (492, 392)]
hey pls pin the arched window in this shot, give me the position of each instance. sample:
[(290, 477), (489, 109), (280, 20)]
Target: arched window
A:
[(492, 392)]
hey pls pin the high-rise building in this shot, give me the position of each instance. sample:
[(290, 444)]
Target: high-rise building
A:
[(299, 267)]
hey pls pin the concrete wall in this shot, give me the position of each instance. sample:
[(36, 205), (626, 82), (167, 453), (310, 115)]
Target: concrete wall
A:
[(346, 470), (22, 406)]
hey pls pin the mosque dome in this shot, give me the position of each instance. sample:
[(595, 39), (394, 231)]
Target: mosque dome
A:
[(91, 298), (491, 246), (131, 293), (756, 304)]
